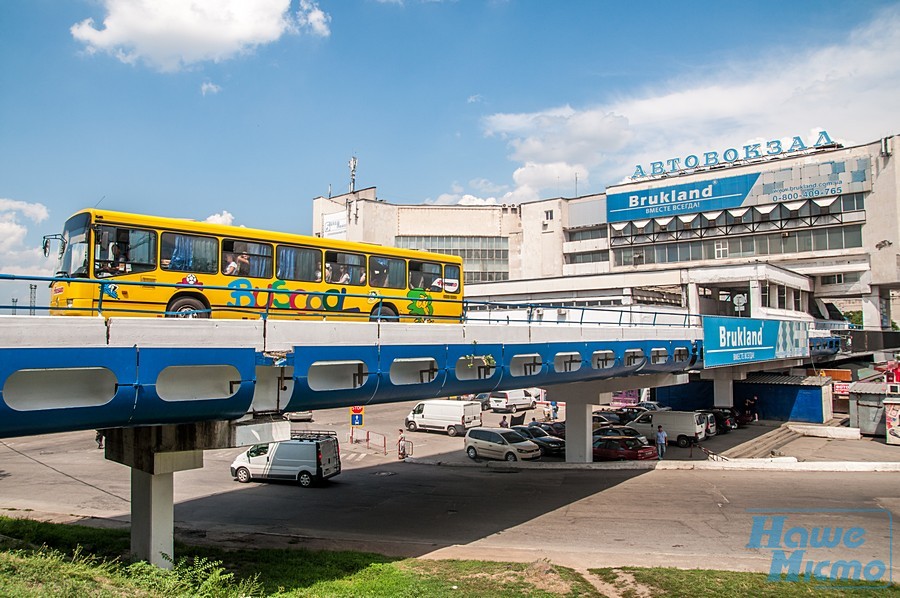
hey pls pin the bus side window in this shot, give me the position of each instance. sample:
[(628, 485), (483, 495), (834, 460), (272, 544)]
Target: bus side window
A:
[(423, 275)]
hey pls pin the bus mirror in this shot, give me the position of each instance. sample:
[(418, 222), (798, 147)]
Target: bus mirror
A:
[(46, 247)]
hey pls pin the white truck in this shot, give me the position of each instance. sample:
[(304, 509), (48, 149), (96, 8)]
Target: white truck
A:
[(309, 457), (453, 417), (681, 427)]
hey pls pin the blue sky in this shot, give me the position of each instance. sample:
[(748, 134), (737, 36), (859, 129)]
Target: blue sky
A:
[(244, 111)]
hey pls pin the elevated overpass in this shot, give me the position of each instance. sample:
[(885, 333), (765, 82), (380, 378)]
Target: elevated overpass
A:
[(166, 389)]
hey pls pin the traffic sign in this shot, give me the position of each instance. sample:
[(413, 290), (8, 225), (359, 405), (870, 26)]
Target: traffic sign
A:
[(356, 419), (357, 409)]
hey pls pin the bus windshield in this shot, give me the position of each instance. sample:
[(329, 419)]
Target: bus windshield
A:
[(73, 261)]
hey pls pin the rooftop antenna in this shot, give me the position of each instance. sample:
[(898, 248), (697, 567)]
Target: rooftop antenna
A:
[(99, 200), (352, 165), (329, 190), (576, 184)]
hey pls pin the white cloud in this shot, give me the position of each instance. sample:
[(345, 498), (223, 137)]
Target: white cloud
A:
[(170, 35), (18, 254), (846, 87), (225, 217), (474, 99), (209, 88)]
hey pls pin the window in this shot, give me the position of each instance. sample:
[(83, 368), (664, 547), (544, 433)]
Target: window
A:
[(451, 279), (833, 279), (251, 259), (798, 300), (721, 249), (298, 263), (424, 275), (345, 268), (119, 250), (584, 235), (764, 293), (548, 214), (387, 273), (782, 296), (189, 253)]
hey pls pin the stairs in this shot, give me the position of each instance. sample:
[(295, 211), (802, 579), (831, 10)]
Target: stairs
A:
[(763, 446)]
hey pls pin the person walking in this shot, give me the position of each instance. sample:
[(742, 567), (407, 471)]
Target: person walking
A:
[(503, 422), (401, 445), (555, 409), (662, 439), (99, 439)]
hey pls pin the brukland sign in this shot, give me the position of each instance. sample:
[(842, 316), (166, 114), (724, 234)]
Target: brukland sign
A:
[(730, 155)]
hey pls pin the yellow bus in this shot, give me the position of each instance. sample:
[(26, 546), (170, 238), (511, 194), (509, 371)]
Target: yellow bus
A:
[(139, 265)]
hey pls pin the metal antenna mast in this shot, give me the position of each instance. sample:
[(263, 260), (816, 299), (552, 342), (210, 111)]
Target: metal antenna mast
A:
[(352, 174)]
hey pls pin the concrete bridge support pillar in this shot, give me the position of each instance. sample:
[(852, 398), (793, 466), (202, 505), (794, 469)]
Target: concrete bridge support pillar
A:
[(578, 431), (154, 454), (723, 391)]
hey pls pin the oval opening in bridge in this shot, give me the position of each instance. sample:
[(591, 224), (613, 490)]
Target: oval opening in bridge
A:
[(634, 357), (197, 382), (526, 365), (337, 375), (475, 367), (567, 362), (34, 390), (601, 360), (659, 356), (413, 371)]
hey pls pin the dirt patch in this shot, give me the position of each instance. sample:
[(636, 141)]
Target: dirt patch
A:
[(618, 584)]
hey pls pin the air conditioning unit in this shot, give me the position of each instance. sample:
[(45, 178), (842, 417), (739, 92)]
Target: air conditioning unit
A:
[(538, 311), (893, 389)]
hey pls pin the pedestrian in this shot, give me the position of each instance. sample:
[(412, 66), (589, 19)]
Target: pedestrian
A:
[(662, 439), (533, 422), (503, 422), (555, 409), (99, 439), (750, 409), (401, 445)]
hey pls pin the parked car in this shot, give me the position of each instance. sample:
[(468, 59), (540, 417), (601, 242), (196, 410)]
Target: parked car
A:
[(557, 429), (627, 414), (653, 406), (600, 421), (309, 457), (682, 427), (737, 420), (453, 417), (512, 400), (298, 416), (711, 428), (725, 422), (621, 448), (484, 398), (610, 416), (621, 431), (549, 445), (500, 443)]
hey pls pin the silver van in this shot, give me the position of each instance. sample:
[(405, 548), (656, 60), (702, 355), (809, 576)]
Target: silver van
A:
[(309, 457), (500, 443)]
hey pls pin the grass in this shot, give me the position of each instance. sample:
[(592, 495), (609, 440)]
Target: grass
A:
[(730, 584), (44, 559)]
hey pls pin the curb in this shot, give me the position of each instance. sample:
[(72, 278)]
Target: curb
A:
[(773, 464), (826, 431)]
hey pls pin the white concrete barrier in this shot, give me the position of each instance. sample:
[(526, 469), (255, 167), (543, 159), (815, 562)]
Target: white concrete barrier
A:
[(825, 431)]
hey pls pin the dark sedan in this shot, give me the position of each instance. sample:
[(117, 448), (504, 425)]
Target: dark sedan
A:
[(621, 431), (621, 448), (557, 429), (549, 445)]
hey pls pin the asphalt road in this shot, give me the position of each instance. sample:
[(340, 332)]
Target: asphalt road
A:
[(573, 517)]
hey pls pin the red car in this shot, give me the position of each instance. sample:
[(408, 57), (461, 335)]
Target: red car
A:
[(621, 448)]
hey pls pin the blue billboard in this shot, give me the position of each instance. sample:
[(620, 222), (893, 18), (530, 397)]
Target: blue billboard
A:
[(732, 341), (700, 196)]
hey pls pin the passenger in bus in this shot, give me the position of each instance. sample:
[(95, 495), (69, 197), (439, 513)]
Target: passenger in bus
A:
[(231, 267), (362, 277), (328, 273), (344, 277), (243, 263)]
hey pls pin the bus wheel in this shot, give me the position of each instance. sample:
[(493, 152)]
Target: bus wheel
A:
[(184, 305), (385, 314)]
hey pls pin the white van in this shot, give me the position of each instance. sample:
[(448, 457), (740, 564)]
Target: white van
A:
[(453, 417), (512, 400), (309, 457), (681, 427)]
